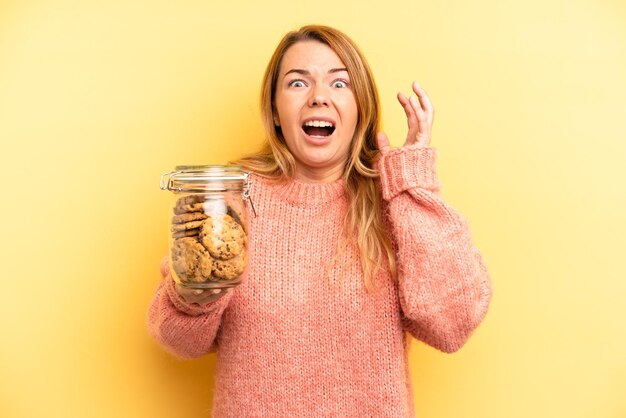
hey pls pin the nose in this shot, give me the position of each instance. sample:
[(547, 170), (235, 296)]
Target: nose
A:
[(319, 97)]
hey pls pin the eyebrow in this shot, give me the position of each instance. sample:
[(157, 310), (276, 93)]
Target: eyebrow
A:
[(305, 72)]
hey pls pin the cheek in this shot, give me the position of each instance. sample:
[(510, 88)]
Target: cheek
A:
[(285, 115), (351, 112), (350, 120)]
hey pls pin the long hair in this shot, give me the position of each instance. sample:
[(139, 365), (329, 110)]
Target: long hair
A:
[(364, 217)]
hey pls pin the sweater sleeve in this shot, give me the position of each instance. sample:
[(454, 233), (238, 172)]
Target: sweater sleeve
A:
[(444, 287), (186, 330)]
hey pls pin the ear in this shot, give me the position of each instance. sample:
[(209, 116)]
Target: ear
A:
[(276, 121)]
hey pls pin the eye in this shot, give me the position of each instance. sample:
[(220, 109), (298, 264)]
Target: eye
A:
[(296, 83), (340, 84)]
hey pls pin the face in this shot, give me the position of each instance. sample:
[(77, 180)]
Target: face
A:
[(316, 110)]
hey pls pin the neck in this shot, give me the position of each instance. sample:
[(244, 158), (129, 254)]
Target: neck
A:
[(322, 175)]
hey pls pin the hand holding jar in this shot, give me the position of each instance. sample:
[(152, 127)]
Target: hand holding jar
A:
[(199, 296)]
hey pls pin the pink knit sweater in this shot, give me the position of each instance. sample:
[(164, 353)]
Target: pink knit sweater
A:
[(292, 342)]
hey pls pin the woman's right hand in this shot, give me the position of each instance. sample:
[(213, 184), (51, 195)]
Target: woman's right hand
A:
[(200, 296)]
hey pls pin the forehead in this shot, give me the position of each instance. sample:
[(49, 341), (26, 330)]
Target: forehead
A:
[(310, 55)]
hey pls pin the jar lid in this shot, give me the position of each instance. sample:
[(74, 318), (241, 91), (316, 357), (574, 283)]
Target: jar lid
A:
[(204, 178)]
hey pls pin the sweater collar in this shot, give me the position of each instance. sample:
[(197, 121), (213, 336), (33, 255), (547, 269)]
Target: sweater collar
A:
[(300, 193)]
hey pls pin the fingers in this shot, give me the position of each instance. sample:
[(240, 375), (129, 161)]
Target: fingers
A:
[(165, 266), (420, 114), (424, 108), (383, 142), (411, 117), (201, 296)]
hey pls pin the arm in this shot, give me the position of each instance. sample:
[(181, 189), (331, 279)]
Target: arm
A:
[(185, 329), (444, 288)]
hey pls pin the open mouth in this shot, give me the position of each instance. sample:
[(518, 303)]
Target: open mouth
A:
[(318, 128)]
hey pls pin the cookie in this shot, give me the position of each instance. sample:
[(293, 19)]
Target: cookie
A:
[(191, 261), (187, 226), (192, 207), (222, 236), (234, 209), (205, 268), (188, 217), (187, 233), (236, 215), (230, 269), (190, 199)]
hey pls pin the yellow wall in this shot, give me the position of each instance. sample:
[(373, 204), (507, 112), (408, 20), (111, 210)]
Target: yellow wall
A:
[(98, 98)]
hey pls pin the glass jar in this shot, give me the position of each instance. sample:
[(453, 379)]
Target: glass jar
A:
[(208, 239)]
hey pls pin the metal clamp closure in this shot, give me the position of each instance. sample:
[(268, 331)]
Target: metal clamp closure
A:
[(246, 192), (165, 185)]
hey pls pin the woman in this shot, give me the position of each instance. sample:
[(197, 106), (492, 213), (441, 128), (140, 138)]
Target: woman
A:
[(352, 249)]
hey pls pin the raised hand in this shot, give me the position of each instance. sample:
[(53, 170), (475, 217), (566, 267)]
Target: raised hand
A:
[(419, 116)]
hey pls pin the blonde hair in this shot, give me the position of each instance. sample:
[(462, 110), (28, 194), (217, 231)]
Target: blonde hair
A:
[(364, 216)]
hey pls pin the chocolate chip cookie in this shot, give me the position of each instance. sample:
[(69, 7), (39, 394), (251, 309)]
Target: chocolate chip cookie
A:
[(230, 269), (222, 236), (191, 261)]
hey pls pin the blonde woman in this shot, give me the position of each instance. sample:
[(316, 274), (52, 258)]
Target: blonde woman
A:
[(352, 252)]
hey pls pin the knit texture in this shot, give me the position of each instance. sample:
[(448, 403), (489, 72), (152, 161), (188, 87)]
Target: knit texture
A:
[(298, 338)]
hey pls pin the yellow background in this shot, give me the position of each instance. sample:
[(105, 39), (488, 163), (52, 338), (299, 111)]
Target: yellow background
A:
[(98, 98)]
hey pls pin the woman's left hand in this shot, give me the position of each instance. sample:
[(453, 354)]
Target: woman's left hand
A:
[(419, 116)]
